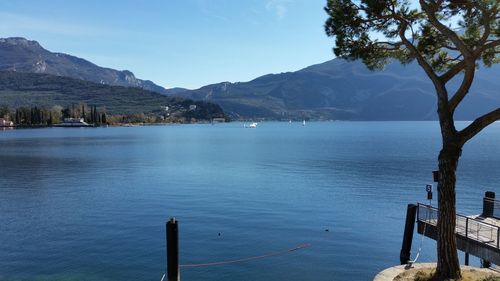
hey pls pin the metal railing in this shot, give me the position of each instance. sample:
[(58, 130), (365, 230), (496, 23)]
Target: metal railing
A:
[(471, 228)]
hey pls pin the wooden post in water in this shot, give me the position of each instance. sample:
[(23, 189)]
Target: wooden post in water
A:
[(172, 228), (411, 213), (488, 204), (488, 210)]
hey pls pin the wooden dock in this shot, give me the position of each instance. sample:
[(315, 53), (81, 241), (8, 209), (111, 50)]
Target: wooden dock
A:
[(476, 235)]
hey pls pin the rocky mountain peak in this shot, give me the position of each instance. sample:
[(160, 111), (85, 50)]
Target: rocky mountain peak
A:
[(23, 55), (21, 42)]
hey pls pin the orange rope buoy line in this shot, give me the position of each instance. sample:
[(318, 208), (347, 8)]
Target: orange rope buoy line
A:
[(299, 247)]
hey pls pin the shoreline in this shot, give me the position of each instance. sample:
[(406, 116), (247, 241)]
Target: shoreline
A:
[(390, 273)]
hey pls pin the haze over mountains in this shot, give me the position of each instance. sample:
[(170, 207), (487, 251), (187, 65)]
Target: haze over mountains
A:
[(339, 89), (22, 55), (336, 89)]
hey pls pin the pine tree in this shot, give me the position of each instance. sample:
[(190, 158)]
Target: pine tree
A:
[(448, 39)]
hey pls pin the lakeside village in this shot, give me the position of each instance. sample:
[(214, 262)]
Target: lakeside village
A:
[(91, 116)]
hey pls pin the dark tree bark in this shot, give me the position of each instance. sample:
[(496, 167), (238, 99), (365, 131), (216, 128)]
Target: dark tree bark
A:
[(448, 265)]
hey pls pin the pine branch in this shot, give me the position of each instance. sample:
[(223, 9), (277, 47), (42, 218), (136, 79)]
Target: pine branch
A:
[(430, 10), (464, 88), (479, 124), (454, 70)]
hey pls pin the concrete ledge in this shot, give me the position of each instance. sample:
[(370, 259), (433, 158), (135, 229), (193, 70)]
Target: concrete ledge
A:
[(390, 273)]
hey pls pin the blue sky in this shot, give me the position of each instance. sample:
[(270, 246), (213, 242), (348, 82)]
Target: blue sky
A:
[(178, 43)]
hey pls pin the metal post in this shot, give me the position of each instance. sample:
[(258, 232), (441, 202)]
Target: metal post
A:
[(172, 228), (466, 227), (411, 211), (498, 238), (466, 258), (488, 204)]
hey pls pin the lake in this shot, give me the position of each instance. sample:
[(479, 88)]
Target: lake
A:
[(91, 204)]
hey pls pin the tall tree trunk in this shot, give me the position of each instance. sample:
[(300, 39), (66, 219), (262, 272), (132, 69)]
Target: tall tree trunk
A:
[(448, 266)]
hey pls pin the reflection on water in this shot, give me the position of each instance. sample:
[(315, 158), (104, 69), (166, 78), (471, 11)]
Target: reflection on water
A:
[(91, 203)]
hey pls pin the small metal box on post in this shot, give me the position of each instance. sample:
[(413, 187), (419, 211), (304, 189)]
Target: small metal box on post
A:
[(435, 176), (172, 237)]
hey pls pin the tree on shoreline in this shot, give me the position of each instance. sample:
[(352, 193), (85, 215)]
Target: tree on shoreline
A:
[(447, 39)]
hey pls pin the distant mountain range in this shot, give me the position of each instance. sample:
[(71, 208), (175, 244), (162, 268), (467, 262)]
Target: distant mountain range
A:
[(340, 89), (32, 76), (336, 89), (22, 55)]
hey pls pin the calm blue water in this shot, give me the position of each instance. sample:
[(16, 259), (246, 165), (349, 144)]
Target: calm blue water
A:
[(90, 204)]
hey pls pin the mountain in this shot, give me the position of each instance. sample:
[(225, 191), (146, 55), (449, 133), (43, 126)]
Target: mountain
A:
[(22, 55), (347, 90), (19, 89)]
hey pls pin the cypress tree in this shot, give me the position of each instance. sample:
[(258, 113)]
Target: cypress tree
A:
[(95, 114), (49, 123)]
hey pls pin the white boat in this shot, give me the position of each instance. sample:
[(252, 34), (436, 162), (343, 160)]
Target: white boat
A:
[(304, 123), (253, 125), (73, 122)]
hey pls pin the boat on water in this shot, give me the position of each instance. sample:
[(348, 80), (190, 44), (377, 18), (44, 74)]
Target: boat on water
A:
[(73, 122), (304, 123), (251, 125)]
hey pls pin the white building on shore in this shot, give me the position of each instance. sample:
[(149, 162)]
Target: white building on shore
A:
[(6, 123)]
